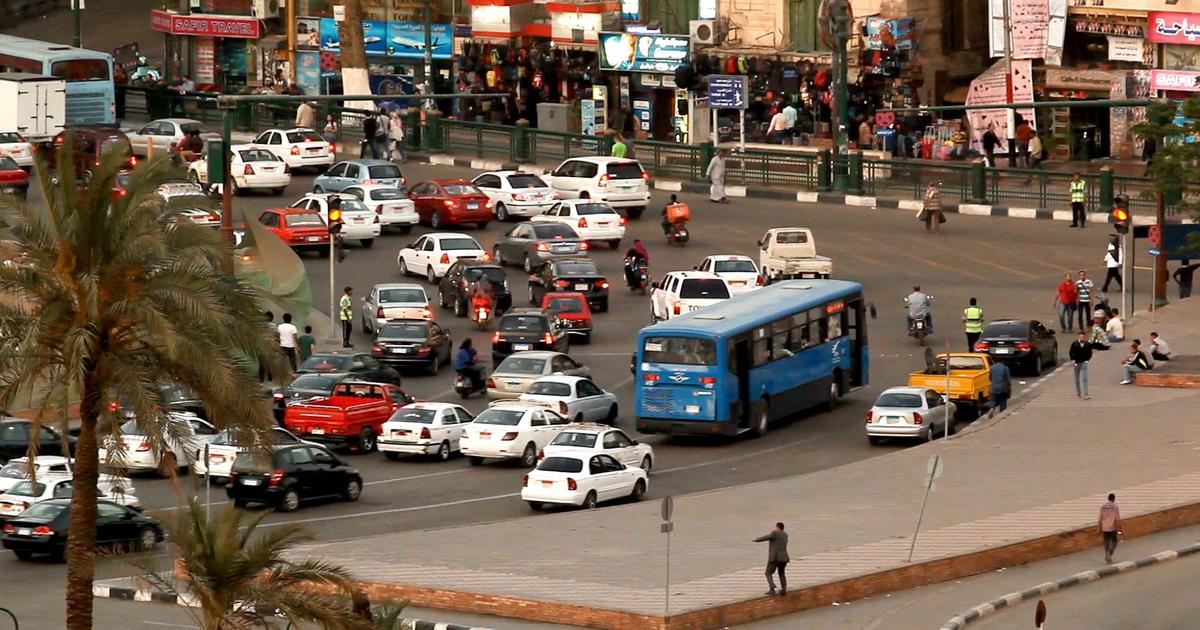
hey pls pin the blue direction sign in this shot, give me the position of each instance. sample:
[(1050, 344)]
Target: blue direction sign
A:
[(728, 91), (1154, 251)]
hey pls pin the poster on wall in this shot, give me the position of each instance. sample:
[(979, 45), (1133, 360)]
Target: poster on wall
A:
[(641, 112), (308, 33), (1126, 49), (331, 40), (407, 39), (374, 36), (991, 88), (1038, 27), (308, 72), (643, 53), (884, 34), (203, 60)]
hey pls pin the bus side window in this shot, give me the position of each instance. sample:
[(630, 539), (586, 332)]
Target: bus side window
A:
[(835, 324), (762, 351), (779, 338), (731, 356)]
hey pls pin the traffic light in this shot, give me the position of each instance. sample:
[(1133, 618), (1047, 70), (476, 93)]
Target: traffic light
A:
[(335, 220), (1119, 216)]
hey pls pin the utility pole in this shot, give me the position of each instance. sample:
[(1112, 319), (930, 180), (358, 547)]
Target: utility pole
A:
[(1010, 114), (291, 40), (76, 9), (836, 19), (427, 16), (1160, 261)]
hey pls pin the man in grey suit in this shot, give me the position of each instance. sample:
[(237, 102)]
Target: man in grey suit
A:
[(777, 558)]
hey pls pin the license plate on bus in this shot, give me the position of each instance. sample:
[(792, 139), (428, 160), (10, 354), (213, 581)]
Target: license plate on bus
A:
[(521, 346)]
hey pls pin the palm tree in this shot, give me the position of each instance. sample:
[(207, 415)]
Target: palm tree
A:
[(240, 576), (113, 296)]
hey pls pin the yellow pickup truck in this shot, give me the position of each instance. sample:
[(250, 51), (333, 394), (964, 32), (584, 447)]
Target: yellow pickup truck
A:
[(970, 382)]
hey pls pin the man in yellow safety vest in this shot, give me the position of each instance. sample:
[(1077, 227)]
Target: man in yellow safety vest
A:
[(973, 320), (1078, 197)]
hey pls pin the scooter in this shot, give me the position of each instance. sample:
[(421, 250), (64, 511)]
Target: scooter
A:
[(465, 387), (482, 314), (677, 233), (637, 277), (918, 330)]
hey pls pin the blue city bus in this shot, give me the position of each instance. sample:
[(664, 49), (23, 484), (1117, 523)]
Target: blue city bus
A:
[(91, 98), (738, 365)]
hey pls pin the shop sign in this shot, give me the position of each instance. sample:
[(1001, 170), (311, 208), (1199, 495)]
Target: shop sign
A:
[(203, 60), (205, 25), (493, 20), (884, 34), (308, 33), (1177, 57), (1174, 80), (1101, 27), (643, 53), (631, 10), (1126, 49), (1174, 28), (642, 112), (1080, 80), (392, 39), (581, 28), (1092, 6)]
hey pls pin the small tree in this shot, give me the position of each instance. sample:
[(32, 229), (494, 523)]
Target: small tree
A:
[(1177, 152)]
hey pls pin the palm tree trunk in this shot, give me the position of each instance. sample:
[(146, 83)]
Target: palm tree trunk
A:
[(81, 539), (353, 55)]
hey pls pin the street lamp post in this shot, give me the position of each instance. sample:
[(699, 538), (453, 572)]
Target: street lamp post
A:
[(835, 24), (76, 10), (427, 16)]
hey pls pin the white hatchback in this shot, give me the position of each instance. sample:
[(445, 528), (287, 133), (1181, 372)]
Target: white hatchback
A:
[(910, 412), (593, 439), (592, 220), (739, 271), (394, 208), (575, 397), (621, 182), (583, 480), (424, 428), (432, 254), (682, 292), (510, 430), (299, 147), (515, 193), (14, 145), (358, 222)]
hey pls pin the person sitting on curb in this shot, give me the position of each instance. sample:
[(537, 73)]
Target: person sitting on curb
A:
[(1115, 328), (1135, 362), (1099, 337), (1159, 350)]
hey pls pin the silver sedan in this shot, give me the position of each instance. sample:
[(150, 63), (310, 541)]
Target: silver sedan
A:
[(531, 244)]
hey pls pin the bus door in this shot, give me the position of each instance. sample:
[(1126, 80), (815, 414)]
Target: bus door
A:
[(742, 361), (857, 328)]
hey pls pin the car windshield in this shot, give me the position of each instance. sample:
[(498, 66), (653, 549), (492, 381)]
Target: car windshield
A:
[(414, 414), (703, 289), (304, 136), (384, 171), (461, 189), (458, 244), (495, 275), (791, 238), (506, 417), (577, 268), (407, 330), (14, 470), (1007, 329), (44, 510), (8, 164), (907, 401), (319, 382), (589, 209), (553, 230), (256, 155), (390, 296), (575, 438), (9, 136), (326, 363), (521, 365), (738, 266), (27, 489), (387, 194), (561, 464), (250, 461), (304, 219), (525, 180), (624, 170), (523, 323), (550, 388), (679, 351), (565, 305)]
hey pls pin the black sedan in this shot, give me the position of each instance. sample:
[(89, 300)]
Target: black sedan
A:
[(575, 274), (361, 365), (524, 329), (15, 434), (455, 287), (289, 474), (42, 529), (303, 387), (1020, 343), (415, 342)]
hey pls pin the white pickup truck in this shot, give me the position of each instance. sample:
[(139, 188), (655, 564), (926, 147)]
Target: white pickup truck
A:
[(791, 252)]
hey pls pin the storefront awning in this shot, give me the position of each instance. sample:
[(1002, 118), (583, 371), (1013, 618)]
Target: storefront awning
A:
[(205, 25)]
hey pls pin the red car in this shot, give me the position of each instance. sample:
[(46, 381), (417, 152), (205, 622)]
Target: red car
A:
[(573, 310), (442, 202), (301, 228), (89, 144), (13, 178)]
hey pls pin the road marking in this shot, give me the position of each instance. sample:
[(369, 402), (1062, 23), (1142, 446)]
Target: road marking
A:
[(737, 457), (958, 251), (430, 506), (411, 477), (884, 247)]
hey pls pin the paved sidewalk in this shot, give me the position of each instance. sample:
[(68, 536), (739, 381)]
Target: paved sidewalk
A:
[(1041, 469)]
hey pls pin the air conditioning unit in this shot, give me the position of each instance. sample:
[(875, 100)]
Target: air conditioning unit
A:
[(263, 9), (704, 32)]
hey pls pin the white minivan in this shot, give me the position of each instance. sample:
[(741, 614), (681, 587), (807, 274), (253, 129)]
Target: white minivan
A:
[(621, 182)]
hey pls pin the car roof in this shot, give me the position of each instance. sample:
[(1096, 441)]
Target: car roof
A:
[(604, 159), (368, 162), (441, 235), (589, 427), (180, 121), (696, 275), (572, 259), (729, 257), (399, 285), (431, 404), (290, 210), (290, 129), (561, 378), (536, 354)]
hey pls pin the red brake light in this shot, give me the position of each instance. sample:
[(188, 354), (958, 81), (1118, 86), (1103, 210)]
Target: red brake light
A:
[(375, 350), (678, 307), (981, 346), (542, 247), (604, 179), (624, 220), (249, 170), (445, 259), (9, 528), (870, 414), (583, 246), (295, 150), (425, 434), (143, 447), (368, 181), (1024, 345), (582, 222), (708, 380), (133, 160), (562, 283), (546, 338), (645, 175), (571, 485), (379, 312), (42, 530), (112, 406), (508, 437), (650, 377), (491, 383), (495, 337), (603, 284), (541, 454), (423, 349), (759, 280), (525, 481), (449, 203), (917, 419), (276, 477)]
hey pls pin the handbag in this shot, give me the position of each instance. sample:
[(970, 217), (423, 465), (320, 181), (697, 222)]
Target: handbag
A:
[(922, 215)]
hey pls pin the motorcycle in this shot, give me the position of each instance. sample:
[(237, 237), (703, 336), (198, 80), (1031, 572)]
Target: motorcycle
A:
[(918, 330), (481, 314), (464, 386), (677, 233), (637, 274)]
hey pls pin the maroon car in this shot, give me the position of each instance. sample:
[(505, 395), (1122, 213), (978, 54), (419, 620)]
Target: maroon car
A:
[(13, 178), (442, 202)]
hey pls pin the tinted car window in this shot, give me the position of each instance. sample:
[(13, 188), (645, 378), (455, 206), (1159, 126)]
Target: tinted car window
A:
[(45, 510), (561, 464), (523, 323), (407, 330), (495, 275), (506, 417), (27, 489), (908, 401), (525, 181), (401, 295), (314, 381), (1006, 330), (458, 244), (553, 230), (418, 415), (791, 238), (577, 268), (550, 389), (735, 266), (384, 171), (706, 289), (593, 208), (252, 462), (387, 194), (8, 164), (522, 365), (303, 136), (624, 170), (9, 136), (565, 305)]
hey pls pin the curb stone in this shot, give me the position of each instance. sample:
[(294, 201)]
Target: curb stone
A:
[(978, 612)]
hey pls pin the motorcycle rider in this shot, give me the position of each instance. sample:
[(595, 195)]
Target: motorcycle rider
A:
[(918, 306), (466, 363), (668, 220), (483, 295), (635, 258)]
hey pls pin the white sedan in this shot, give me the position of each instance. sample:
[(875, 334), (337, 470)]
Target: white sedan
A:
[(394, 208), (583, 480), (424, 428), (18, 469), (517, 371), (516, 193), (189, 199), (14, 145), (165, 133), (592, 220), (575, 397), (909, 412), (358, 222), (139, 452), (222, 451), (432, 254), (299, 147), (25, 493), (510, 430), (250, 168), (739, 272), (594, 439)]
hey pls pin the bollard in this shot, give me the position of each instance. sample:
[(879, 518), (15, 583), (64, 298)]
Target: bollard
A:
[(856, 173), (412, 128), (520, 148), (824, 170), (1106, 189), (978, 182)]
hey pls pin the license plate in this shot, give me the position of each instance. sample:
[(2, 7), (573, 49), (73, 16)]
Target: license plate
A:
[(581, 287), (602, 223), (484, 436), (400, 350), (24, 531), (472, 206), (318, 431), (547, 483), (521, 346), (357, 220), (399, 433), (692, 408), (217, 459), (313, 239), (893, 420), (738, 283), (1003, 350), (251, 482), (314, 149)]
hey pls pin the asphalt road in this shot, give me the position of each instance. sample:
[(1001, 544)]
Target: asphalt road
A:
[(1011, 265)]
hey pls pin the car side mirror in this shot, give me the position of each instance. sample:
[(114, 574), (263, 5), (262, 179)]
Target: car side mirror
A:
[(760, 243), (635, 442)]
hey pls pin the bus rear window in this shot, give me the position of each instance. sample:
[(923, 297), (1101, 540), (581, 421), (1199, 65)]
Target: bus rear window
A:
[(679, 351), (81, 70)]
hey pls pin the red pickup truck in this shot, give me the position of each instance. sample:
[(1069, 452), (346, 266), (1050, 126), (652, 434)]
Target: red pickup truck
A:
[(350, 416)]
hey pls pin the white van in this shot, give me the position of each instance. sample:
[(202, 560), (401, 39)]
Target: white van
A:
[(621, 182)]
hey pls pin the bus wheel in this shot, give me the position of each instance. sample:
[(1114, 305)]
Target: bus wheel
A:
[(762, 417), (834, 391)]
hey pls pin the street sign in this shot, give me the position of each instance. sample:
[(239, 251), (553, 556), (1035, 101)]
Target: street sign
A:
[(728, 91), (668, 507), (1155, 236), (1154, 251)]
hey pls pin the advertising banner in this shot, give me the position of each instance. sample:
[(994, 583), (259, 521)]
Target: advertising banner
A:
[(1169, 27), (1174, 80), (308, 71), (204, 60), (308, 33), (991, 88), (883, 34), (392, 39), (204, 25), (643, 53)]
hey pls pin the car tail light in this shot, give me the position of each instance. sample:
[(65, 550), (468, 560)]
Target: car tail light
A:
[(542, 247), (870, 414), (555, 195), (623, 220), (603, 284), (368, 182), (487, 256), (582, 222), (423, 349), (403, 181), (426, 313), (678, 308), (333, 147), (571, 485), (917, 419), (278, 396), (547, 339), (249, 170), (143, 447), (287, 169), (491, 383), (759, 280), (645, 176), (379, 312), (708, 380), (445, 259), (276, 477), (1024, 345), (495, 337), (650, 377), (518, 197), (604, 179), (295, 150), (132, 160), (112, 406), (508, 437), (232, 479), (981, 346), (583, 246), (376, 350), (541, 454), (487, 204), (42, 530), (9, 528), (450, 203), (562, 283), (425, 434), (376, 218), (525, 481)]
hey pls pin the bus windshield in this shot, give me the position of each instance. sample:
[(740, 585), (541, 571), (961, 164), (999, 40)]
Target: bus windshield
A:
[(679, 351)]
